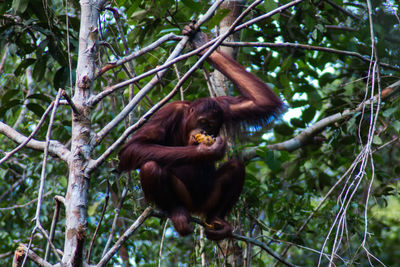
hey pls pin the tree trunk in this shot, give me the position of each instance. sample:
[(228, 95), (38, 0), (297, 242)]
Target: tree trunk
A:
[(235, 7), (230, 249), (76, 200)]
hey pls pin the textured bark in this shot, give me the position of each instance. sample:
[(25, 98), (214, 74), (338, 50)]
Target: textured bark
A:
[(235, 6), (76, 199)]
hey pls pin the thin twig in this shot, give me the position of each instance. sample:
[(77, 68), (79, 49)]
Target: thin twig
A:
[(128, 233), (12, 187), (100, 221), (133, 55), (253, 241), (26, 204), (29, 138), (116, 217), (345, 11), (53, 227), (70, 102), (162, 242), (45, 155), (263, 246), (307, 47)]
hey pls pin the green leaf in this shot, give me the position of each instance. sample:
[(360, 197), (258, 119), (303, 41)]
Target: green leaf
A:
[(314, 34), (272, 160), (283, 129), (377, 140), (298, 103), (389, 112), (40, 68), (61, 77), (42, 97), (8, 105), (396, 125), (24, 64), (308, 114), (270, 5), (195, 6), (92, 208), (36, 108), (297, 123), (20, 5), (138, 14), (9, 95), (286, 63)]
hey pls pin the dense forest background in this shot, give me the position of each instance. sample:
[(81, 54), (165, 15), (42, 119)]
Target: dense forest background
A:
[(77, 78)]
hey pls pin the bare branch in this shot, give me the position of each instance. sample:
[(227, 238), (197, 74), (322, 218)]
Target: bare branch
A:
[(162, 242), (267, 15), (26, 204), (116, 217), (46, 152), (345, 11), (308, 47), (253, 241), (70, 102), (3, 58), (152, 46), (55, 148), (53, 227), (128, 233), (264, 247), (100, 221), (307, 135), (60, 199), (23, 250)]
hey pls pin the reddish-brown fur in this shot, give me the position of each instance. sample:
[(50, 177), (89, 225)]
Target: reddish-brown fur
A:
[(180, 176)]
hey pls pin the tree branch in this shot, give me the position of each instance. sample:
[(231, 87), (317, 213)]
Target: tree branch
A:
[(55, 148), (308, 47), (26, 204), (253, 241), (133, 55), (263, 246), (20, 254), (306, 136), (128, 233)]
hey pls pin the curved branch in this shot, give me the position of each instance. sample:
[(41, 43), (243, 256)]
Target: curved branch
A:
[(40, 123), (55, 147), (305, 137)]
